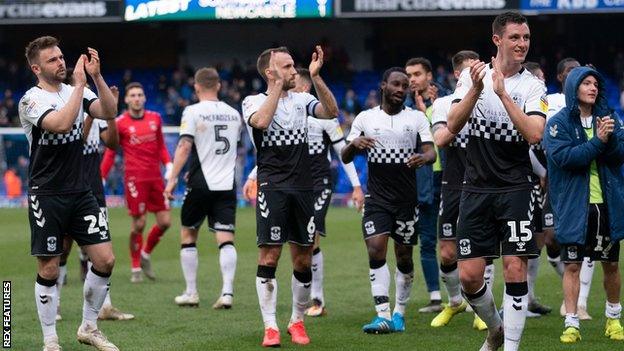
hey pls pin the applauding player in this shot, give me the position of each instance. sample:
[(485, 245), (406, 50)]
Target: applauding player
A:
[(59, 197), (277, 122), (505, 107)]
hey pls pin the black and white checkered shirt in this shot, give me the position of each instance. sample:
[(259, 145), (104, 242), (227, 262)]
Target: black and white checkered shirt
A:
[(56, 159), (282, 149), (497, 158), (397, 137), (455, 153)]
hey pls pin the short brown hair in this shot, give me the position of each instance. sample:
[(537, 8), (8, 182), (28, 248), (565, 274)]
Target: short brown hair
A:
[(499, 23), (461, 57), (265, 57), (34, 47), (207, 77), (133, 85), (420, 61), (305, 74)]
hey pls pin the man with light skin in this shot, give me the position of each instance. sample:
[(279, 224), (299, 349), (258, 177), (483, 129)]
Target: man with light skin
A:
[(277, 123), (584, 144), (454, 146), (495, 217), (423, 93), (60, 198), (322, 134), (142, 143), (557, 101), (209, 132)]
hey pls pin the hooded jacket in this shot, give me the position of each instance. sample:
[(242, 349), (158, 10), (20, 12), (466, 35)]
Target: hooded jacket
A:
[(570, 154)]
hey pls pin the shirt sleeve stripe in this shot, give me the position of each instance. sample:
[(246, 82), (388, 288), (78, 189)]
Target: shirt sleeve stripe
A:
[(311, 110), (86, 104), (539, 113), (40, 120), (337, 141)]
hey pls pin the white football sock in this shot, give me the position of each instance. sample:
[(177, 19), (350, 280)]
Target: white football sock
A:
[(489, 274), (267, 297), (189, 262), (532, 269), (586, 275), (572, 320), (557, 265), (403, 284), (482, 303), (453, 286), (46, 300), (107, 299), (59, 282), (514, 309), (94, 292), (227, 260), (380, 287), (300, 294), (317, 277), (613, 310)]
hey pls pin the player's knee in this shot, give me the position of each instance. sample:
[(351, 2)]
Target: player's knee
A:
[(573, 268), (448, 253), (105, 264), (405, 261), (164, 224), (514, 271), (49, 272), (376, 253), (138, 225), (470, 281), (269, 258), (302, 263)]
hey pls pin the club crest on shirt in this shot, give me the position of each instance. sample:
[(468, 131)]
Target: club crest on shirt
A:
[(299, 110), (572, 253), (464, 247), (369, 227), (51, 241), (447, 229), (516, 98), (276, 233), (153, 126), (408, 130)]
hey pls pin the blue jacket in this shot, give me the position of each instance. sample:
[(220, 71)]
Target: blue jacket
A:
[(570, 155)]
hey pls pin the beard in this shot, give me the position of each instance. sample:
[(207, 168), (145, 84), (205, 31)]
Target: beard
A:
[(55, 77), (289, 85)]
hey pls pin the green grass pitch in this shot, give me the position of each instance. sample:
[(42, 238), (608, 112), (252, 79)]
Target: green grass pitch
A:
[(161, 325)]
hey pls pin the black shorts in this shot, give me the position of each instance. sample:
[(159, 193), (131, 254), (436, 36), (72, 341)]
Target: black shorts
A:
[(496, 223), (449, 212), (398, 221), (100, 198), (218, 206), (321, 205), (52, 216), (598, 245), (543, 218), (285, 216)]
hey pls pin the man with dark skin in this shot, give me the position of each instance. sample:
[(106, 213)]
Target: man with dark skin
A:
[(390, 135)]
